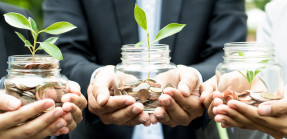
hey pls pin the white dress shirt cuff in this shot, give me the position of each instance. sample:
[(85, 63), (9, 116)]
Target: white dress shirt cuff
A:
[(94, 74)]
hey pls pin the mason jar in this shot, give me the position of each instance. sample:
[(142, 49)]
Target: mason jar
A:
[(144, 73), (33, 78), (249, 73)]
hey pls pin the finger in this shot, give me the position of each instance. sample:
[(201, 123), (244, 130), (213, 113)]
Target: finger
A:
[(273, 108), (114, 103), (76, 113), (189, 83), (142, 118), (217, 102), (162, 116), (124, 115), (8, 102), (205, 90), (102, 83), (74, 88), (71, 122), (210, 110), (191, 105), (26, 112), (79, 101), (40, 124), (226, 121), (51, 129), (153, 119)]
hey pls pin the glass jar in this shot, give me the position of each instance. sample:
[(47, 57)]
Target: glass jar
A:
[(249, 73), (144, 74), (34, 78)]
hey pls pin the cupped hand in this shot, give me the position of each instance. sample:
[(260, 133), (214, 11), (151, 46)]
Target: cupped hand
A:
[(180, 105), (120, 110), (73, 104), (49, 123)]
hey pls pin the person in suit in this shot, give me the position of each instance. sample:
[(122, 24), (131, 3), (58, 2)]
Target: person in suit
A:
[(58, 121), (105, 25)]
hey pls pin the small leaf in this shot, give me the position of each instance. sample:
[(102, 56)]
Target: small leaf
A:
[(240, 53), (140, 17), (168, 30), (27, 43), (33, 24), (139, 43), (52, 50), (59, 28), (256, 72), (248, 77), (51, 40), (264, 61), (17, 20), (242, 74)]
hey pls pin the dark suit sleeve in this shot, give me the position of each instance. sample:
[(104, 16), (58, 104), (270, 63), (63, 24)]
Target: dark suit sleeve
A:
[(227, 24), (79, 63)]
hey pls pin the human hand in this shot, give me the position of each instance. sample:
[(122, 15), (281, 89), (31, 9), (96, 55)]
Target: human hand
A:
[(120, 110), (73, 104), (179, 106), (49, 123)]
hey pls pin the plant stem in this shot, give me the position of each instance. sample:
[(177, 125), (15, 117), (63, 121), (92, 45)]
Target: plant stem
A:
[(148, 55), (34, 45)]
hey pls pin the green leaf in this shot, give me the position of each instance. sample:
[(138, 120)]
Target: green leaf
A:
[(248, 76), (52, 50), (256, 72), (242, 74), (240, 53), (51, 40), (34, 27), (17, 20), (264, 61), (27, 43), (140, 43), (168, 30), (59, 28), (140, 17)]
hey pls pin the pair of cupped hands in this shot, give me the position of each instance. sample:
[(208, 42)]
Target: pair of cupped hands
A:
[(59, 120)]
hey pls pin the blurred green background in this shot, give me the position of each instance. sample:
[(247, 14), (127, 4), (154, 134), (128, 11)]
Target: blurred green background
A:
[(254, 10)]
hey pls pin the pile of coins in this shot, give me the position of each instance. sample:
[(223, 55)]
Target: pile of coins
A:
[(146, 92), (249, 97), (29, 90)]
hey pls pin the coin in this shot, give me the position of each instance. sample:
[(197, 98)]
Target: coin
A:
[(256, 96), (167, 85), (245, 98), (143, 94), (270, 96), (152, 83), (155, 90), (29, 94), (132, 83), (46, 91)]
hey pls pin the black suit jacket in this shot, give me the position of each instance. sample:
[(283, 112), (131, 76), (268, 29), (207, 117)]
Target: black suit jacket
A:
[(10, 43), (105, 25)]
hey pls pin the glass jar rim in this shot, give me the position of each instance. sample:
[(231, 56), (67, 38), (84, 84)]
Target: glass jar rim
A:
[(157, 46), (251, 44), (23, 58)]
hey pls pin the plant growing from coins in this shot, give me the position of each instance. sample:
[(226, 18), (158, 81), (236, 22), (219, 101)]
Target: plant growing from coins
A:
[(250, 74), (167, 31), (19, 21)]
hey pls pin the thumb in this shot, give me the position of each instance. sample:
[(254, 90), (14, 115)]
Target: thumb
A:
[(273, 108), (8, 102), (189, 83)]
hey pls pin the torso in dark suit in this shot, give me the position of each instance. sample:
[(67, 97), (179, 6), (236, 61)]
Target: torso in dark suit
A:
[(10, 43), (105, 25)]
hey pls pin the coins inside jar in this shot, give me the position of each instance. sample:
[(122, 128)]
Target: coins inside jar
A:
[(249, 97), (144, 91)]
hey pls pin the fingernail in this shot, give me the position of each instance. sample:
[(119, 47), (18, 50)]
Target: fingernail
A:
[(65, 98), (136, 110), (60, 125), (58, 113), (185, 89), (265, 109), (159, 115), (48, 105), (142, 120), (203, 94), (14, 103), (166, 102), (100, 98)]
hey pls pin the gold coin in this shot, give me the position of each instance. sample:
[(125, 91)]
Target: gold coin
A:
[(270, 96)]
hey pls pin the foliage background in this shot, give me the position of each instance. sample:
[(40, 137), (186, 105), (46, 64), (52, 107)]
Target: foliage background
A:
[(35, 7)]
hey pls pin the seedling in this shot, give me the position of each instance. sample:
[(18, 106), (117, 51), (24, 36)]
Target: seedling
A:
[(167, 31), (19, 21)]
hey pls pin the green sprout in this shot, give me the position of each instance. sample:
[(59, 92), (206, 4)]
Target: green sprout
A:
[(167, 31), (19, 21)]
